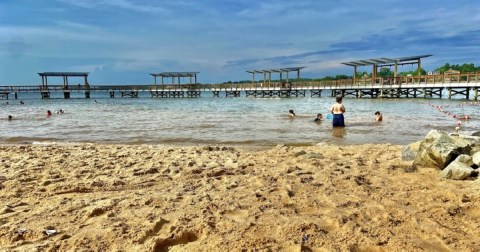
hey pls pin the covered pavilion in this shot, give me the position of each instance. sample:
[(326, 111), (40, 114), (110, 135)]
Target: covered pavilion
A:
[(174, 75), (386, 62), (65, 76), (276, 70)]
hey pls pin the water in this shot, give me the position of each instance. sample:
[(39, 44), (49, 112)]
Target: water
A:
[(259, 122)]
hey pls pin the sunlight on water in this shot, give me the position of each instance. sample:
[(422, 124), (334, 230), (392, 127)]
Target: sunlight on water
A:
[(230, 121)]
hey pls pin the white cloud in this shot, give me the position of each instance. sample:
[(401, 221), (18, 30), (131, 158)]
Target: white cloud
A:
[(122, 4)]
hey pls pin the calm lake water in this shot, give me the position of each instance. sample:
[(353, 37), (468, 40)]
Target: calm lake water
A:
[(259, 122)]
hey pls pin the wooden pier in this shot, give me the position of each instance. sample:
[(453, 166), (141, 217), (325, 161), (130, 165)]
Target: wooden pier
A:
[(461, 85)]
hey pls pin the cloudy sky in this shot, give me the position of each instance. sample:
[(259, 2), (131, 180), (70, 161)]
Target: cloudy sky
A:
[(122, 41)]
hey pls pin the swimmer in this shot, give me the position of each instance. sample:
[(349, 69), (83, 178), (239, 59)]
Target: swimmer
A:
[(60, 111), (49, 113), (337, 111), (378, 116), (292, 114), (10, 117), (22, 103), (318, 118)]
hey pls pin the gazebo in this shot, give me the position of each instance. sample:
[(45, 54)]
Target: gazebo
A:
[(386, 62), (174, 75), (64, 75), (280, 71)]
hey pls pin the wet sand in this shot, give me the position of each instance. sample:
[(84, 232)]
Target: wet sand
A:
[(161, 198)]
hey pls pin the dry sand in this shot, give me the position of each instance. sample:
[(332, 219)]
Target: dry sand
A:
[(158, 198)]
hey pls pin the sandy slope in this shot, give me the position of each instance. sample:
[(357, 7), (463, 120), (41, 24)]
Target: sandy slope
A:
[(157, 198)]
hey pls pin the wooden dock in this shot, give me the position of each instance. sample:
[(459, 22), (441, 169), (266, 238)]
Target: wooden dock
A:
[(462, 85)]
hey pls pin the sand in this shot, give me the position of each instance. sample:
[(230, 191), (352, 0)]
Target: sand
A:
[(161, 198)]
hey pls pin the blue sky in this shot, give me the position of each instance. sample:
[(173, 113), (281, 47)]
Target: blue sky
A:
[(122, 41)]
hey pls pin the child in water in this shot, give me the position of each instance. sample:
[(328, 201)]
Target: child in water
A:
[(318, 118), (292, 114), (378, 116)]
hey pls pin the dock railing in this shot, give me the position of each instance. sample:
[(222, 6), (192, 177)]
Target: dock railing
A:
[(468, 79)]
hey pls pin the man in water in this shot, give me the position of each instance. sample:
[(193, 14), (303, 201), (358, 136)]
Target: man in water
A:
[(10, 117), (337, 110)]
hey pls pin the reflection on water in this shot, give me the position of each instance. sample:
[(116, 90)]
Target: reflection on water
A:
[(243, 121), (339, 132)]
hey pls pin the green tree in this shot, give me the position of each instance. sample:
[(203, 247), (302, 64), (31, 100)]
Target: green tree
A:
[(385, 72)]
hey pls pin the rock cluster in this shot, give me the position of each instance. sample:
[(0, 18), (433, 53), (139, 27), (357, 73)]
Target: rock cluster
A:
[(458, 156)]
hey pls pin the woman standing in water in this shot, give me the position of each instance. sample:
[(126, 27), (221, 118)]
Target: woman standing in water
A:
[(337, 110)]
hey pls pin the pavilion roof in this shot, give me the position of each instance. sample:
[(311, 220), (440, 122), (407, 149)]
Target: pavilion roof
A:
[(63, 74), (276, 70), (382, 61), (175, 74)]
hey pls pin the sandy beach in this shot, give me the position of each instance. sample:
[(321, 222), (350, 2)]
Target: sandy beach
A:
[(160, 198)]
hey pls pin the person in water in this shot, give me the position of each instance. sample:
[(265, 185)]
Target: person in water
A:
[(10, 117), (49, 113), (318, 118), (378, 116), (292, 114), (338, 110)]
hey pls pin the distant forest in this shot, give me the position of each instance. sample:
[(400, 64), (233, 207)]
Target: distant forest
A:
[(384, 72)]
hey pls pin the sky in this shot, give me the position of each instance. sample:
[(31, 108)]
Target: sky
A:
[(123, 41)]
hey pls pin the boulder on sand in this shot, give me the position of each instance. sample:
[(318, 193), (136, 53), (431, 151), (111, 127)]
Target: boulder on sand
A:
[(459, 169), (410, 151), (439, 149)]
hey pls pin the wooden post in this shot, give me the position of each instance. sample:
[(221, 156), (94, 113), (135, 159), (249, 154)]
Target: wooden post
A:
[(418, 68), (87, 87), (287, 77), (163, 84), (269, 79), (354, 74)]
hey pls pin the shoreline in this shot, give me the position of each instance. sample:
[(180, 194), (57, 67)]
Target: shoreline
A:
[(209, 198)]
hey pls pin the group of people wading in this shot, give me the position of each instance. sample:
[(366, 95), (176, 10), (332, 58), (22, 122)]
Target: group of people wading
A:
[(337, 110)]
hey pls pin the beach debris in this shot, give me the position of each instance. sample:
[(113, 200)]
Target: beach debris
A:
[(299, 153), (305, 238), (313, 155), (21, 231), (50, 232)]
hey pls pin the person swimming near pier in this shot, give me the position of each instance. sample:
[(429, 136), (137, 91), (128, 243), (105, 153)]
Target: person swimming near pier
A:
[(10, 117), (49, 113), (378, 116), (318, 118), (291, 113), (337, 111), (60, 111)]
